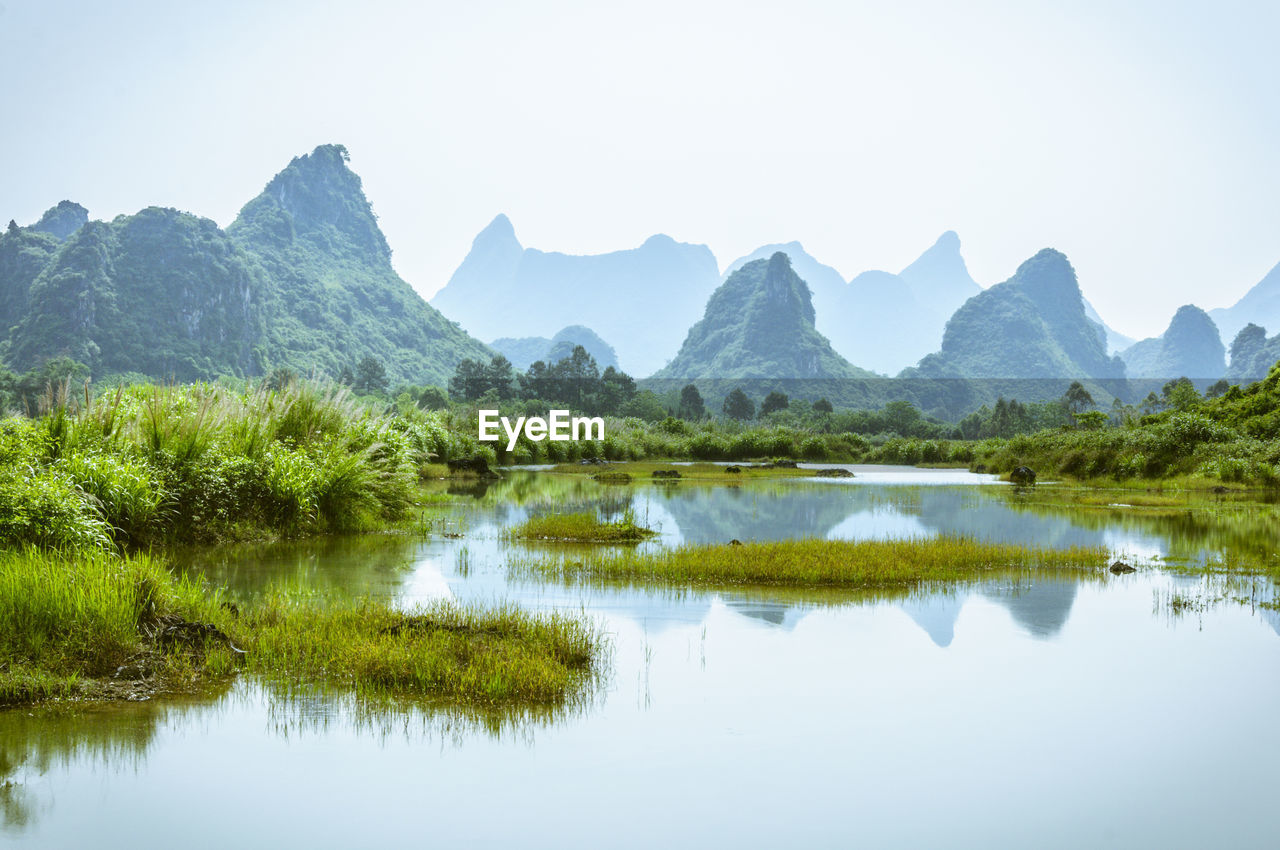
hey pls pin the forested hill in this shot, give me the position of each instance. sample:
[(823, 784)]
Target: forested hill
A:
[(759, 324), (335, 296), (1031, 326), (302, 279)]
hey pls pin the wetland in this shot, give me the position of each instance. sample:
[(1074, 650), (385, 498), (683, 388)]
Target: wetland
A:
[(1040, 694)]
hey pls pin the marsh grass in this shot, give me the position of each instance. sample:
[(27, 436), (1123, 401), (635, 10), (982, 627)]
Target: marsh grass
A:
[(836, 564), (69, 624), (442, 651), (68, 620), (643, 471), (149, 464), (583, 527)]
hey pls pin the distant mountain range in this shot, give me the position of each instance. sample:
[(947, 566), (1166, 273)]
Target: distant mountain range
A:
[(523, 352), (642, 300), (301, 279), (853, 314), (1260, 306)]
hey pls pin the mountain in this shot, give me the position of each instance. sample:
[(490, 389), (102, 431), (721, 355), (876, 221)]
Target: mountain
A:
[(863, 318), (826, 285), (1190, 347), (524, 351), (162, 292), (62, 220), (1252, 354), (759, 324), (336, 296), (1260, 305), (24, 253), (1031, 326), (1115, 340), (642, 300), (303, 279)]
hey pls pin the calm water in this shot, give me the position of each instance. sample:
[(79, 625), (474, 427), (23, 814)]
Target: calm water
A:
[(1047, 714)]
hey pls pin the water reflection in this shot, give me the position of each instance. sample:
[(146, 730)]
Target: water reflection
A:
[(821, 701)]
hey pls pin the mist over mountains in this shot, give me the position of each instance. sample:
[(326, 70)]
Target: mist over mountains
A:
[(303, 279), (641, 301)]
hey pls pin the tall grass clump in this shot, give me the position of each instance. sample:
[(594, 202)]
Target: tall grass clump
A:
[(68, 618), (148, 464)]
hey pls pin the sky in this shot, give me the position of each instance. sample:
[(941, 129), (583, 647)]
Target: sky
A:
[(1139, 138)]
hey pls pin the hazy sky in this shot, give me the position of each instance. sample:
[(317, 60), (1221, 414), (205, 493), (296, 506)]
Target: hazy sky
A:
[(1140, 138)]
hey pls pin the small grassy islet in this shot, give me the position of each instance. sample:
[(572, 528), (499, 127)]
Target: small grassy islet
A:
[(839, 564), (581, 528)]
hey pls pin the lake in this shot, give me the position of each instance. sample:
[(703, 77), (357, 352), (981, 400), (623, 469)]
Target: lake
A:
[(1045, 713)]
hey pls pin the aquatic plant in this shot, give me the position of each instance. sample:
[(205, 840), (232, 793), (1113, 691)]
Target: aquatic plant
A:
[(818, 563), (581, 527)]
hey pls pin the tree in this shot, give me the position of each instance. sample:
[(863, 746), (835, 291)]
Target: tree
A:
[(612, 392), (1217, 389), (433, 398), (774, 401), (738, 406), (1091, 420), (281, 377), (346, 377), (371, 376), (500, 377), (646, 405), (691, 406), (13, 226), (822, 406), (1077, 398), (469, 380), (901, 416), (1180, 394)]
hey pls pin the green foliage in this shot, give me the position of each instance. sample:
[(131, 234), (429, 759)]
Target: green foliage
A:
[(153, 464), (774, 402), (302, 280), (759, 324), (738, 406), (691, 406)]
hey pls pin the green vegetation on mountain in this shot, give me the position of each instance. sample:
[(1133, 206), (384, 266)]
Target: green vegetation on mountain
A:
[(335, 296), (524, 351), (62, 220), (1190, 348), (24, 253), (161, 293), (302, 280), (759, 324), (1252, 354), (1031, 326)]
